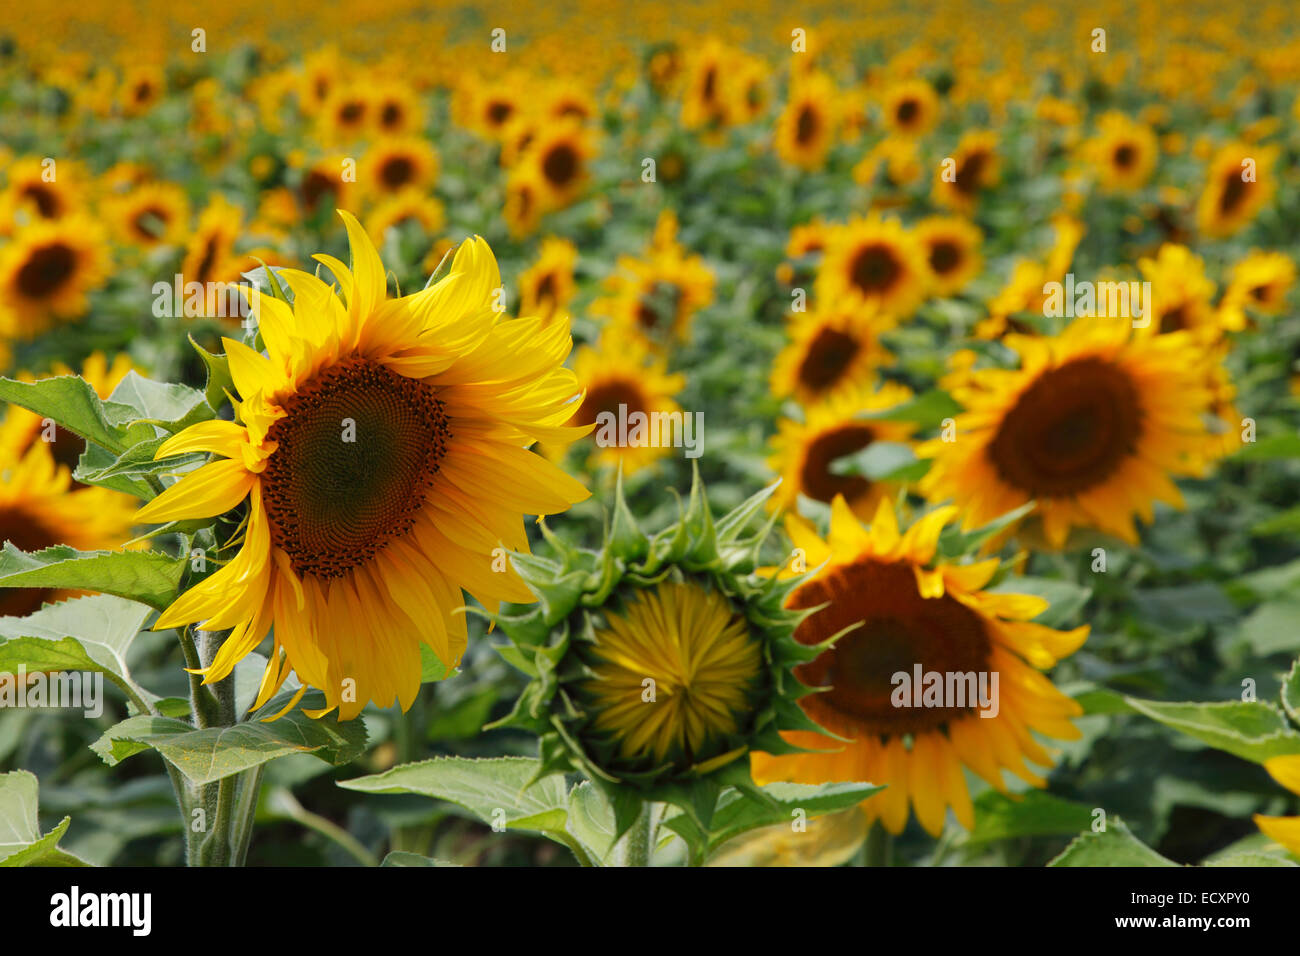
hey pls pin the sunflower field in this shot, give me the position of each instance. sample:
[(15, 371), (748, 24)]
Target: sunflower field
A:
[(730, 434)]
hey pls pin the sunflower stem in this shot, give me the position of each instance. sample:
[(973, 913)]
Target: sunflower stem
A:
[(877, 849), (636, 846)]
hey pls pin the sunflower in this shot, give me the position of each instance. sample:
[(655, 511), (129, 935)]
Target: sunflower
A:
[(910, 108), (1181, 293), (155, 214), (1259, 282), (974, 168), (1240, 183), (380, 448), (397, 109), (46, 271), (38, 508), (320, 72), (1090, 426), (546, 286), (408, 205), (952, 251), (1024, 291), (568, 100), (1284, 830), (907, 611), (830, 351), (488, 107), (346, 115), (523, 205), (805, 130), (1123, 152), (875, 262), (620, 378), (213, 241), (35, 190), (322, 186), (559, 155), (707, 100), (806, 454), (393, 165), (142, 87)]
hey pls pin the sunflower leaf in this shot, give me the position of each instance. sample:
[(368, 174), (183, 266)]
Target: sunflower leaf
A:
[(21, 842), (1291, 692), (149, 577), (91, 633), (1252, 730), (212, 753), (142, 401), (1114, 846), (70, 401)]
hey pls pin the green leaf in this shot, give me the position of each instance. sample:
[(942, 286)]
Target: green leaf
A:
[(168, 405), (209, 754), (1284, 522), (1257, 849), (70, 401), (1272, 627), (1066, 598), (89, 633), (737, 813), (877, 461), (1115, 846), (220, 381), (431, 668), (21, 842), (151, 577), (402, 858), (1291, 692), (135, 464), (1251, 730), (928, 410), (1270, 448), (1036, 813), (954, 542), (500, 791)]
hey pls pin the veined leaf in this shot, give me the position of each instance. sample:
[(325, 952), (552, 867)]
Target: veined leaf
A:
[(21, 842), (149, 577), (1251, 730), (1114, 846)]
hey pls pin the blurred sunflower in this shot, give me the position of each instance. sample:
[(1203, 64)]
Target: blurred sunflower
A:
[(805, 130), (875, 262), (1123, 152), (622, 373), (546, 286), (35, 189), (906, 610), (655, 298), (155, 214), (830, 351), (707, 103), (1024, 291), (346, 114), (974, 169), (38, 508), (1181, 293), (1090, 426), (1259, 283), (523, 205), (559, 155), (1239, 183), (143, 85), (395, 164), (807, 454), (357, 549), (397, 109), (952, 251), (322, 186), (213, 241), (410, 205), (910, 108), (46, 271)]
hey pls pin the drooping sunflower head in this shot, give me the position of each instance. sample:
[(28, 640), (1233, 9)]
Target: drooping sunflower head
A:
[(1258, 283), (380, 451), (873, 261), (902, 614), (814, 456), (1123, 153), (1091, 426), (659, 661), (654, 298), (974, 168), (1239, 183), (830, 352), (46, 271), (910, 108), (952, 251)]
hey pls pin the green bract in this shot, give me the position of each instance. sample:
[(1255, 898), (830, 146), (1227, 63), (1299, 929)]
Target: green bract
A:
[(552, 641)]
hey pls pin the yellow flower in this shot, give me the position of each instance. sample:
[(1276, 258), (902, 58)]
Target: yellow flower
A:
[(974, 168), (380, 449), (805, 129), (1123, 152), (874, 262), (394, 165), (1240, 183), (1284, 830), (1259, 282), (910, 108), (898, 610), (1180, 291), (806, 454), (952, 251), (1090, 426), (546, 286), (151, 215), (559, 155), (46, 271), (831, 351)]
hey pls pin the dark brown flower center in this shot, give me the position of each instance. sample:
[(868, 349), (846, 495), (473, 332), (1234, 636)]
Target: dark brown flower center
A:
[(499, 111), (816, 479), (1125, 156), (149, 224), (829, 355), (1234, 193), (315, 187), (356, 453), (606, 397), (874, 268), (46, 200), (46, 270), (390, 117), (907, 111), (1070, 430), (970, 174), (397, 171), (945, 256), (900, 629), (807, 127), (560, 165)]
